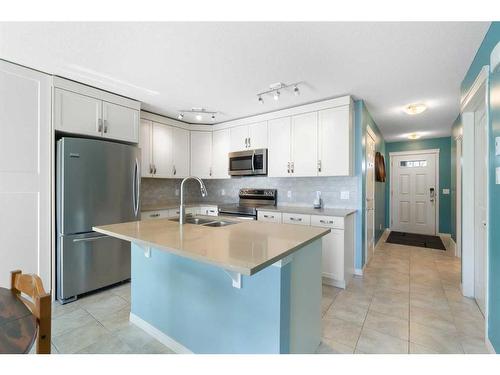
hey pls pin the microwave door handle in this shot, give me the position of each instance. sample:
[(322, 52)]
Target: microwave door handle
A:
[(253, 160)]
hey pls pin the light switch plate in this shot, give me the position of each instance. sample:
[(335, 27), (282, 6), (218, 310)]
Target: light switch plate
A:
[(344, 194), (446, 191), (497, 146), (289, 194)]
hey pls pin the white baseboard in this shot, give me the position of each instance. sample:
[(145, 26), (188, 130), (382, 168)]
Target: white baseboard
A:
[(359, 271), (159, 335), (444, 234), (490, 347), (336, 283)]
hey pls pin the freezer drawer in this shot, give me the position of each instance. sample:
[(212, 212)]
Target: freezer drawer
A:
[(90, 261)]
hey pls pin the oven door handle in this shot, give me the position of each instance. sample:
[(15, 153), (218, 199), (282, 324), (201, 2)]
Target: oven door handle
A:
[(253, 161)]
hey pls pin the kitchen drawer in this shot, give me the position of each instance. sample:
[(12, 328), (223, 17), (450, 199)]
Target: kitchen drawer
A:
[(209, 210), (270, 217), (160, 214), (298, 219), (173, 212), (327, 221)]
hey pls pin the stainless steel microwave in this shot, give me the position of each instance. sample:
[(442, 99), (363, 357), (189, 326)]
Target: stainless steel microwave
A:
[(248, 162)]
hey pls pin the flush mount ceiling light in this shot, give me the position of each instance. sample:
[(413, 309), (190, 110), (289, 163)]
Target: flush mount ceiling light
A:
[(415, 109), (414, 136), (276, 88), (199, 114)]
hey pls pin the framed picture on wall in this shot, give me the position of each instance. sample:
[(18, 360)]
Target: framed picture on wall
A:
[(379, 167)]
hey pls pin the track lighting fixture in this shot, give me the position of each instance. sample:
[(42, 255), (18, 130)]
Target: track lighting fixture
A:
[(199, 114), (276, 88)]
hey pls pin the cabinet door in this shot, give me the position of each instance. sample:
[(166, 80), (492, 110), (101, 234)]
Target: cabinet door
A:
[(333, 256), (75, 113), (335, 142), (120, 123), (146, 149), (220, 163), (201, 154), (180, 155), (279, 147), (162, 150), (239, 138), (257, 134), (25, 173), (305, 145)]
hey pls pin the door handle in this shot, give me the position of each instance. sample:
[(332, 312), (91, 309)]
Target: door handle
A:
[(90, 239)]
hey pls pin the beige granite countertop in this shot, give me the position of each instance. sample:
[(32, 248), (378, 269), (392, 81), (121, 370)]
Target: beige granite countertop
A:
[(246, 247), (338, 212), (175, 204)]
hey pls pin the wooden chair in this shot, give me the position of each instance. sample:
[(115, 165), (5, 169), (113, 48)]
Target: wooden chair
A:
[(40, 305)]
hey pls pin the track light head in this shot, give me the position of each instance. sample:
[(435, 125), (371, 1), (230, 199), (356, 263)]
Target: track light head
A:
[(261, 101), (296, 90), (213, 116), (181, 116), (276, 95)]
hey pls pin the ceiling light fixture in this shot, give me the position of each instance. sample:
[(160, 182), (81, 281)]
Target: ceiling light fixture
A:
[(414, 136), (415, 109), (276, 88), (199, 114)]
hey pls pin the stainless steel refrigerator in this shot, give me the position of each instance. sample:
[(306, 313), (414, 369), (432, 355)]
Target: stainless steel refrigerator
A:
[(97, 183)]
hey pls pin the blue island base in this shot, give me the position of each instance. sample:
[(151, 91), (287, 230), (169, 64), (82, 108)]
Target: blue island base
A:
[(192, 307)]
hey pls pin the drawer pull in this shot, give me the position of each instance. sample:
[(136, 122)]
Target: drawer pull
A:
[(269, 217), (296, 219), (326, 222), (154, 215)]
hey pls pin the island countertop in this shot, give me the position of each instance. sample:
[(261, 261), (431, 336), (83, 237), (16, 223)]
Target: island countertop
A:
[(246, 247)]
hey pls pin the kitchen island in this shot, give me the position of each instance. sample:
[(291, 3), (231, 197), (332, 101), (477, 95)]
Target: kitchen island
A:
[(249, 287)]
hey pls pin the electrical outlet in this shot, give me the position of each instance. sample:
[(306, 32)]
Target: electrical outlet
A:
[(222, 192), (176, 192), (446, 191), (289, 194), (344, 194)]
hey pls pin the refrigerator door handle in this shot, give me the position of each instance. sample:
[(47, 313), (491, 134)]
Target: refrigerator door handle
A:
[(136, 188)]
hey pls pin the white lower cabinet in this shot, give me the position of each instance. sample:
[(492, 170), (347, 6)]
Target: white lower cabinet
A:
[(268, 216), (338, 245)]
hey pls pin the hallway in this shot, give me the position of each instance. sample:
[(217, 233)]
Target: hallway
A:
[(409, 301)]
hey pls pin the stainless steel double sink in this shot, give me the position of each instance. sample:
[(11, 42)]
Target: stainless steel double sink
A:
[(206, 222)]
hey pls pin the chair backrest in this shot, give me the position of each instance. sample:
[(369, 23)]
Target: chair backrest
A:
[(40, 305)]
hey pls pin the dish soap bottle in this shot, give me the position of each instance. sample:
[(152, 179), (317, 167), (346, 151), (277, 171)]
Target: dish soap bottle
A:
[(318, 202)]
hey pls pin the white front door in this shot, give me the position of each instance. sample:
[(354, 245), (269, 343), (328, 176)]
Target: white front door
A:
[(480, 207), (414, 193), (370, 197)]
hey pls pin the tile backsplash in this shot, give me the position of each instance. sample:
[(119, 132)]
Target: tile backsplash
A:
[(302, 190)]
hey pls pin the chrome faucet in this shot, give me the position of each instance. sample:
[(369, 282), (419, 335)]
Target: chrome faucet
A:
[(182, 210)]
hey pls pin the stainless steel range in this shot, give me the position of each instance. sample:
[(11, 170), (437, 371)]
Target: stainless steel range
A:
[(250, 199)]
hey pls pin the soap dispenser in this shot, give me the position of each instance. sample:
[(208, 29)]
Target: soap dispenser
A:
[(318, 202)]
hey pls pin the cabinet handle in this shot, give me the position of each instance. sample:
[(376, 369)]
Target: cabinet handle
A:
[(269, 217), (293, 167), (326, 222), (288, 168), (296, 219), (105, 126), (154, 215), (319, 165), (99, 125), (246, 142), (150, 169), (154, 169), (249, 142), (210, 172), (174, 170)]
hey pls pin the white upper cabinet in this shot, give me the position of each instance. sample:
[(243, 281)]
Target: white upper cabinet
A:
[(85, 110), (145, 144), (336, 142), (239, 138), (162, 150), (247, 137), (201, 154), (279, 147), (257, 135), (220, 149), (120, 123), (304, 161), (76, 113), (180, 152)]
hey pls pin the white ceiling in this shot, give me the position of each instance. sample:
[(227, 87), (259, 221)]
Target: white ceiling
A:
[(222, 66)]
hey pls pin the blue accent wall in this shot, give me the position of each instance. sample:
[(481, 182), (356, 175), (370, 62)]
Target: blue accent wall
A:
[(481, 59), (444, 146), (363, 119)]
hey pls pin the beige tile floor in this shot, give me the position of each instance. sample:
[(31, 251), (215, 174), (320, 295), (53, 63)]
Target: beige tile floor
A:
[(408, 301)]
